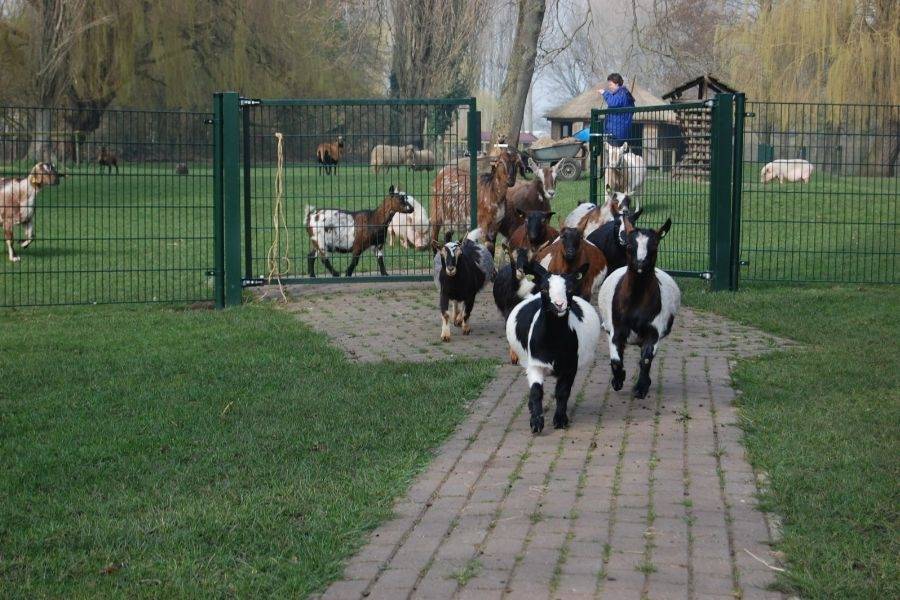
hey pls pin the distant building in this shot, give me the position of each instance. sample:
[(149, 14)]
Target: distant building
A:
[(655, 134), (526, 139)]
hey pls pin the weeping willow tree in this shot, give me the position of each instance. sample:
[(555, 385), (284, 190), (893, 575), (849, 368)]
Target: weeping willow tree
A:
[(840, 51)]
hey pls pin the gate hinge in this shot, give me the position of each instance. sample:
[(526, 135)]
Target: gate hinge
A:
[(208, 121), (750, 114), (253, 282), (706, 275), (250, 102), (744, 263), (211, 273)]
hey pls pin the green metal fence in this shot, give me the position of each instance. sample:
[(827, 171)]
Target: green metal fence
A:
[(406, 144), (832, 217), (688, 153), (129, 221)]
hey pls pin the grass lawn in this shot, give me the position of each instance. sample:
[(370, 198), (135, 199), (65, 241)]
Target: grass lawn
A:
[(156, 452), (823, 420)]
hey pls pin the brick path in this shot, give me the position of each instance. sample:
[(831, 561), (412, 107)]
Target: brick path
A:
[(637, 499)]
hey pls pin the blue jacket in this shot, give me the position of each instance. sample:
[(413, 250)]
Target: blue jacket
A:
[(618, 126)]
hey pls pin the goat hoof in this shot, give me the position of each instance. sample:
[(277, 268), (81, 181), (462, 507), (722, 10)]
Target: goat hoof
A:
[(513, 357), (617, 381), (640, 391), (560, 421), (445, 337), (15, 259), (537, 424), (458, 321), (466, 330)]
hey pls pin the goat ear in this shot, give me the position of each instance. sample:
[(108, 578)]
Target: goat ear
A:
[(391, 190), (548, 215), (448, 236), (533, 165), (662, 231), (637, 215), (539, 271), (625, 147)]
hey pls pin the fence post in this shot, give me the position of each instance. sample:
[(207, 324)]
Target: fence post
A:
[(737, 183), (248, 213), (218, 251), (720, 189), (474, 135), (594, 146), (228, 146)]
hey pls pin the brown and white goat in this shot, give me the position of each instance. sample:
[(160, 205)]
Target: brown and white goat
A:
[(107, 159), (328, 155), (450, 198), (566, 255), (588, 217), (17, 197), (336, 230)]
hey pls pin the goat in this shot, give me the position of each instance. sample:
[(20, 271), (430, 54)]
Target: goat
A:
[(611, 239), (566, 255), (528, 195), (460, 272), (383, 157), (588, 217), (625, 170), (637, 304), (419, 160), (336, 230), (450, 198), (784, 169), (554, 332), (412, 228), (17, 197), (514, 282), (181, 168), (535, 230), (328, 155), (107, 159)]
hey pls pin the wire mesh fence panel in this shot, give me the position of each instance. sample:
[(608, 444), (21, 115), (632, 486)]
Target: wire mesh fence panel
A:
[(340, 161), (118, 204), (820, 193), (663, 162)]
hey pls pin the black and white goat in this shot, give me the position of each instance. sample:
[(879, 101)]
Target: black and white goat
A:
[(555, 332), (637, 304), (611, 239), (460, 272)]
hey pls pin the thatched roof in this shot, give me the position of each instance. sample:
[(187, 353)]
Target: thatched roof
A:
[(579, 107)]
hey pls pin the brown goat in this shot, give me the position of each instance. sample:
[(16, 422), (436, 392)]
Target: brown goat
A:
[(568, 253), (450, 198), (107, 159), (328, 155), (534, 232), (527, 196)]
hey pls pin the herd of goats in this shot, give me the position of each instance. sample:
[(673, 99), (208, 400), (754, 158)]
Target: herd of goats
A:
[(544, 290)]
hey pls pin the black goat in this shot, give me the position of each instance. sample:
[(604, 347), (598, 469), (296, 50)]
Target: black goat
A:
[(460, 272), (610, 238)]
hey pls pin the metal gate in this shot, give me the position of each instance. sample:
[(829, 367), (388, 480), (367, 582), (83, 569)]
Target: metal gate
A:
[(370, 146), (692, 153)]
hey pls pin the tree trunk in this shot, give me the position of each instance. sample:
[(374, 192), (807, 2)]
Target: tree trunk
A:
[(511, 108)]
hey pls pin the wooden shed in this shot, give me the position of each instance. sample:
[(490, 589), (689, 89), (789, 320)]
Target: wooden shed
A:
[(695, 124)]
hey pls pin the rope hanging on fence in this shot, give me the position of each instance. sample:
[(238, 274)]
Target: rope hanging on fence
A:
[(278, 259)]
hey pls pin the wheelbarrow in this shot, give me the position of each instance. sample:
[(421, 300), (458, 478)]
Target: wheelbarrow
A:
[(563, 156)]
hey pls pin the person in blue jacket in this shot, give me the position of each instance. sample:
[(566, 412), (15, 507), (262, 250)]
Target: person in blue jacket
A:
[(617, 126)]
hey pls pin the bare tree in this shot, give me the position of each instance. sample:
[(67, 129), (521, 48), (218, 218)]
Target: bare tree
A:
[(517, 84)]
